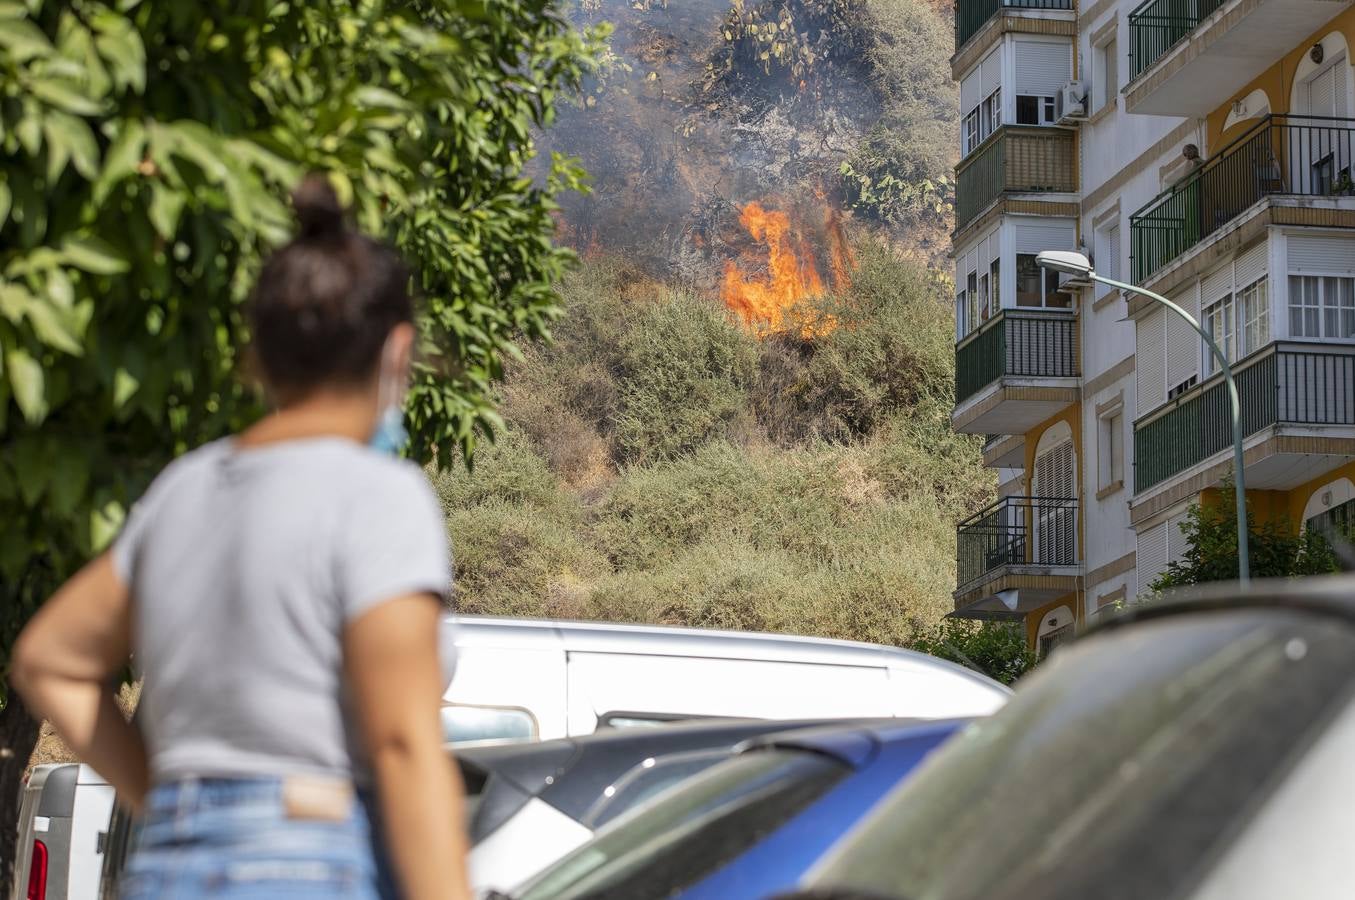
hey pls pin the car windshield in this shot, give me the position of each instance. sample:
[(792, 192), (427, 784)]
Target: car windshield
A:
[(690, 830), (1119, 770)]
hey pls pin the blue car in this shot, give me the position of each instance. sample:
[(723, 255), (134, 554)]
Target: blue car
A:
[(748, 827)]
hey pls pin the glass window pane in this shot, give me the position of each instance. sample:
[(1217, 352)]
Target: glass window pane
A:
[(483, 724), (1028, 281)]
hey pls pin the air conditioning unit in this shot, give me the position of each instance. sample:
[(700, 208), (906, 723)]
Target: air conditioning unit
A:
[(1071, 103)]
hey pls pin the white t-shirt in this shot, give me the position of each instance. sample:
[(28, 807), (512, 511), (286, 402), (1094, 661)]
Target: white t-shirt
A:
[(244, 567)]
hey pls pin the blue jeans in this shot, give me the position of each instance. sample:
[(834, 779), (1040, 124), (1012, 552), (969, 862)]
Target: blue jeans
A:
[(232, 838)]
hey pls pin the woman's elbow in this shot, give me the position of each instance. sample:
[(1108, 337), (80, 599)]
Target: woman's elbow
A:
[(26, 664)]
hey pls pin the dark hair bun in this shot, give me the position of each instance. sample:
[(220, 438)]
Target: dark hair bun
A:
[(318, 209)]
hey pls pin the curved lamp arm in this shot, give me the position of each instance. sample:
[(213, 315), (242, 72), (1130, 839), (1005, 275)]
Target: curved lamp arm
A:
[(1239, 484)]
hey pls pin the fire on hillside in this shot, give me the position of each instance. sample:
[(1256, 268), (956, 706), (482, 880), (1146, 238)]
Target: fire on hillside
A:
[(763, 291)]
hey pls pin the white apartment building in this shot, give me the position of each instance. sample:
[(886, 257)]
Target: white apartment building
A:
[(1202, 149)]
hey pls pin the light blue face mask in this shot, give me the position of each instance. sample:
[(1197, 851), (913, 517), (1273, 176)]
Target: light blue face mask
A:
[(390, 435)]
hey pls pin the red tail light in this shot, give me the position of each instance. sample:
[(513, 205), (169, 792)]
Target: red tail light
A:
[(37, 872)]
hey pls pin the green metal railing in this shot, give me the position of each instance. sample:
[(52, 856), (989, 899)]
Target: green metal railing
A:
[(971, 15), (1021, 158), (1289, 383), (1016, 343), (981, 178), (1015, 531), (1159, 25), (1307, 156)]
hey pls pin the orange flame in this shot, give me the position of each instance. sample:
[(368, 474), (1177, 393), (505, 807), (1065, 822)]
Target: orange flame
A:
[(791, 273)]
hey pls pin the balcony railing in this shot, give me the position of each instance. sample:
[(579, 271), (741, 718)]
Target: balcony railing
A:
[(1307, 156), (1014, 158), (1016, 531), (1018, 343), (1285, 384), (1158, 25), (970, 15)]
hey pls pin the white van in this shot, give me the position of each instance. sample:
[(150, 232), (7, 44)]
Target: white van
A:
[(530, 679), (63, 823)]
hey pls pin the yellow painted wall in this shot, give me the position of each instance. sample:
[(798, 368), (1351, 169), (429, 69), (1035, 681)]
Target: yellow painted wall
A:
[(1284, 506), (1033, 619), (1299, 496), (1277, 82)]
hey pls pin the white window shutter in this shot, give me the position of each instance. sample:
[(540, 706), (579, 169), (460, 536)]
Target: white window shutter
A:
[(1037, 236), (1183, 342), (1216, 285), (1321, 255), (1150, 559), (1151, 367), (991, 67), (1251, 265), (970, 92), (1176, 541), (1043, 67)]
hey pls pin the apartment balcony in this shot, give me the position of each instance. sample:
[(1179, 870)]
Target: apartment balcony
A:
[(1015, 556), (1014, 159), (1018, 369), (1187, 57), (1298, 421), (1282, 158), (972, 15)]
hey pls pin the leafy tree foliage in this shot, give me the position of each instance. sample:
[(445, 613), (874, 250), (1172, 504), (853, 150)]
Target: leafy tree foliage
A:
[(1275, 548), (997, 649), (900, 173), (146, 148)]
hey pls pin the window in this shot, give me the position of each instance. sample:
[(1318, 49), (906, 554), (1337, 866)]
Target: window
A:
[(1107, 73), (486, 725), (992, 113), (1253, 308), (1218, 322), (995, 280), (1179, 389), (1338, 521), (971, 131), (1034, 110), (985, 312), (1110, 447), (961, 315), (1036, 286), (1108, 254), (1321, 307)]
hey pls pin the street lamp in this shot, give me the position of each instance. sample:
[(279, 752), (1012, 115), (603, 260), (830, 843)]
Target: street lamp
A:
[(1074, 263)]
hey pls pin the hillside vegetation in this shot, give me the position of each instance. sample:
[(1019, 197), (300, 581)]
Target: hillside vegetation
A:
[(662, 464)]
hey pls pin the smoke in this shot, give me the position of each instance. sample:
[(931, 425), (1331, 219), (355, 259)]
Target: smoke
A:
[(704, 107)]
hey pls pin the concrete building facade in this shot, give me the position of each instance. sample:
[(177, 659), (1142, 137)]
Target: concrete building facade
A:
[(1200, 148)]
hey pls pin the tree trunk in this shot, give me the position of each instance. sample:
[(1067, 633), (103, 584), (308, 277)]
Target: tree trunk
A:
[(18, 736)]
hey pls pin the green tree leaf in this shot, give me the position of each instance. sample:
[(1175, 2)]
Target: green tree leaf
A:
[(93, 254), (28, 383), (65, 96)]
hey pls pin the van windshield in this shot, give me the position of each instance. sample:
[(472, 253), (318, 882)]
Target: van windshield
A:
[(1151, 743)]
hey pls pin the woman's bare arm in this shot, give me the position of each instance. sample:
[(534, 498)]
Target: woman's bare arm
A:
[(64, 665), (391, 657)]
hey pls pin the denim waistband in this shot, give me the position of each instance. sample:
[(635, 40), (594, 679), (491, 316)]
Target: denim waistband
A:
[(200, 793)]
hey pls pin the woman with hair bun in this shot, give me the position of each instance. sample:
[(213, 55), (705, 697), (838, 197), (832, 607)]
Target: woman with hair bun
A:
[(280, 591)]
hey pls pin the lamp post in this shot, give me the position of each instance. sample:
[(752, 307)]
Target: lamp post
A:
[(1074, 263)]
